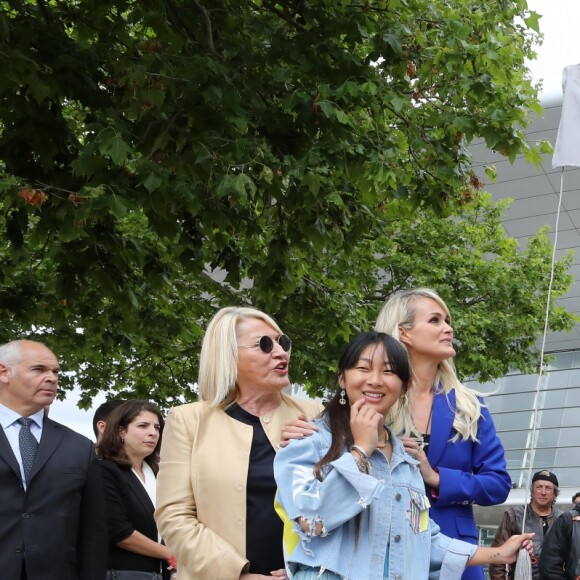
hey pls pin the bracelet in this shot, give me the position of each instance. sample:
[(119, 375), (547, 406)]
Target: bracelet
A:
[(360, 451), (363, 463), (362, 467)]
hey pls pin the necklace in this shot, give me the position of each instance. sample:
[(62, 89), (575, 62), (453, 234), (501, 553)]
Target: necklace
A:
[(382, 444), (422, 439)]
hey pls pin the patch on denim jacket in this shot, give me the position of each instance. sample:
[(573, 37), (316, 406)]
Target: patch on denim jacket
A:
[(419, 511)]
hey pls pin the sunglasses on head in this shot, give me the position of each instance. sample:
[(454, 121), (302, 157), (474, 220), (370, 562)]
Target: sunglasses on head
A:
[(266, 343)]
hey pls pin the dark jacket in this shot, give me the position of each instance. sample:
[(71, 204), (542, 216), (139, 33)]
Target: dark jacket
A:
[(511, 524), (129, 509), (560, 559), (58, 526)]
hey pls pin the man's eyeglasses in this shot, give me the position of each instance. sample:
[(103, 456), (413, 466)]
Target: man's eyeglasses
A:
[(266, 343)]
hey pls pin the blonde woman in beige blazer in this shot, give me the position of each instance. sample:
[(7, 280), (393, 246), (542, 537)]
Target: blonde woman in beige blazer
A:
[(215, 487)]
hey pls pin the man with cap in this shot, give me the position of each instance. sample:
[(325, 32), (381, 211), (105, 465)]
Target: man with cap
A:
[(540, 515)]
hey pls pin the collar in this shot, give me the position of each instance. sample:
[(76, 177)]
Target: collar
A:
[(8, 417)]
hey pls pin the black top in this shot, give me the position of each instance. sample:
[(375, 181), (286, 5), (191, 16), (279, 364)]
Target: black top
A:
[(264, 528), (426, 440), (129, 509)]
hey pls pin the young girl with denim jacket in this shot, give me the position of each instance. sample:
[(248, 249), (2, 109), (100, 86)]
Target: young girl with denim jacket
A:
[(353, 500)]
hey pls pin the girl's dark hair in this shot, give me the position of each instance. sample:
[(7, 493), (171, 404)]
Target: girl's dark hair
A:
[(337, 416), (111, 446)]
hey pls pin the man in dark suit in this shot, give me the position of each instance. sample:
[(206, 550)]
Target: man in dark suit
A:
[(53, 522)]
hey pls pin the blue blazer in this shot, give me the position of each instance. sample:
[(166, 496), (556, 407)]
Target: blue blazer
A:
[(470, 472)]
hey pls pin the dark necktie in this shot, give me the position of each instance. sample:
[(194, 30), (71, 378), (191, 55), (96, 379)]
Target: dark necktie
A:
[(28, 445)]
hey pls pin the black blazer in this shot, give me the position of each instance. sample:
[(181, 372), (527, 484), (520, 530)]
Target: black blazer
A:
[(129, 509), (58, 526)]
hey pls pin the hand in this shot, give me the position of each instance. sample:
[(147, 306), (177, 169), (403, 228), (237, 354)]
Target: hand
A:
[(297, 428), (365, 422), (305, 526), (429, 475), (510, 549)]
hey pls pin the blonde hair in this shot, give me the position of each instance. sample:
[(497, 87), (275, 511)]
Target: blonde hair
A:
[(399, 312), (218, 364)]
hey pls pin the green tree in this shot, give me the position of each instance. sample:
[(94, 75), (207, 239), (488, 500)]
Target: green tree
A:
[(496, 291), (147, 148), (146, 342)]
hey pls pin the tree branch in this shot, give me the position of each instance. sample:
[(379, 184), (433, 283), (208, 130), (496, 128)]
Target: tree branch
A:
[(209, 30)]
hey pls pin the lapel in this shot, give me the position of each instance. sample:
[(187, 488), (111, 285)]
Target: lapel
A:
[(52, 434), (7, 454), (138, 490), (441, 425)]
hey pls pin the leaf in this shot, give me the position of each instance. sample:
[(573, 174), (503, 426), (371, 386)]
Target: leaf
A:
[(114, 146), (118, 206), (239, 185), (394, 42), (342, 117), (327, 108), (491, 172), (533, 21), (152, 182)]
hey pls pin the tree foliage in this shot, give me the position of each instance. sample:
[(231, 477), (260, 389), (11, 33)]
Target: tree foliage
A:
[(162, 158)]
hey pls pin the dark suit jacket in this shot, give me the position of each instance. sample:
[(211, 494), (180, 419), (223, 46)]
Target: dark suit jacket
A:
[(470, 472), (57, 527), (129, 509)]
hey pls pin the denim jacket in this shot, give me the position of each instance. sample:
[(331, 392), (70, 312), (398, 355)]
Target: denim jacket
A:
[(393, 512)]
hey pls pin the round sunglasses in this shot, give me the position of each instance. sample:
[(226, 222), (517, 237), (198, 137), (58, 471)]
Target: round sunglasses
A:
[(266, 343)]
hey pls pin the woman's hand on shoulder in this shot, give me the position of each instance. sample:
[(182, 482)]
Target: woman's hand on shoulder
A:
[(297, 428), (429, 475)]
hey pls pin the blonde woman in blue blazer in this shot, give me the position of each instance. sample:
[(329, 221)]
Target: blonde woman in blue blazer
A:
[(442, 423)]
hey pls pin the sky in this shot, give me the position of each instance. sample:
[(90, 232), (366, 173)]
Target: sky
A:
[(561, 45), (560, 48)]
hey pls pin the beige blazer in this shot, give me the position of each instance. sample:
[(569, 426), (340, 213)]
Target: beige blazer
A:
[(201, 485)]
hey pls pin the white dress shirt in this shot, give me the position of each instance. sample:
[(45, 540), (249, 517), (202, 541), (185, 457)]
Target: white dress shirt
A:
[(9, 422)]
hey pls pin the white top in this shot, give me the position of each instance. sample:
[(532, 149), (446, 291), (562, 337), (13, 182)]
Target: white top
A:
[(567, 148), (149, 484)]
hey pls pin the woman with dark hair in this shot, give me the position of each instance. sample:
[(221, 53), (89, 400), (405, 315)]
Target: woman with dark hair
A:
[(129, 449), (355, 498)]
